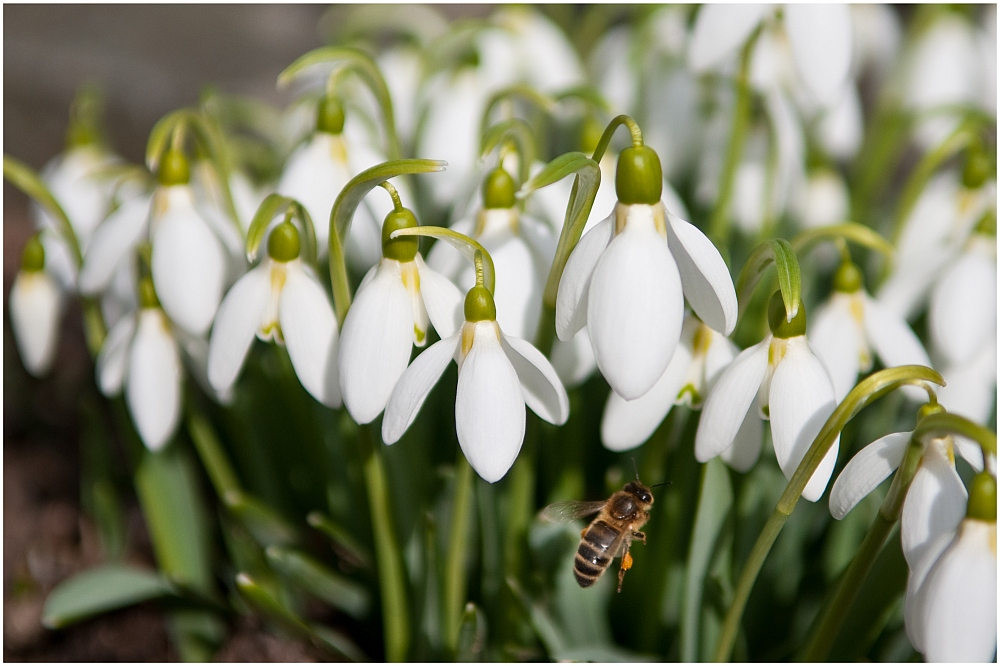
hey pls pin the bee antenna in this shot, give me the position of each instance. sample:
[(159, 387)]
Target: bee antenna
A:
[(665, 483), (636, 468)]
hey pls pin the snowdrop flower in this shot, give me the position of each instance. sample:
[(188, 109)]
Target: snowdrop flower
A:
[(389, 316), (142, 354), (700, 357), (497, 376), (971, 387), (792, 389), (824, 199), (951, 611), (281, 300), (851, 325), (36, 304), (627, 278), (522, 249), (318, 170)]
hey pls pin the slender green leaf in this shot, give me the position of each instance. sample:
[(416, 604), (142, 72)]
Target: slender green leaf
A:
[(99, 590), (779, 252), (267, 526), (24, 178), (345, 545), (556, 170), (316, 579)]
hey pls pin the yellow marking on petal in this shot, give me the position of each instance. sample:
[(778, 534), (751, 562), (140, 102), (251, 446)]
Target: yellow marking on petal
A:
[(857, 308), (161, 202), (776, 350), (338, 149), (660, 218), (621, 217), (702, 340), (468, 337), (419, 335), (688, 394), (477, 231)]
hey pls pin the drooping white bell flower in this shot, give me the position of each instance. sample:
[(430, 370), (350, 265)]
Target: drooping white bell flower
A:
[(522, 249), (388, 317), (281, 300), (700, 357), (793, 390), (320, 168), (142, 354), (851, 327), (497, 376), (36, 305), (628, 276)]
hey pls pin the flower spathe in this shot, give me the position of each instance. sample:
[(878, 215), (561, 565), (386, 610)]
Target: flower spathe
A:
[(793, 390), (389, 315), (281, 300), (627, 279), (141, 353), (497, 376)]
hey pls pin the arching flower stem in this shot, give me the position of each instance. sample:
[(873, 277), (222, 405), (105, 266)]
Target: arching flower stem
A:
[(453, 594), (485, 273), (866, 392)]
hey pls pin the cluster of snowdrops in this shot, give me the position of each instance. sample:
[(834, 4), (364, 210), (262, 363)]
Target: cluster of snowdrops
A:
[(303, 228)]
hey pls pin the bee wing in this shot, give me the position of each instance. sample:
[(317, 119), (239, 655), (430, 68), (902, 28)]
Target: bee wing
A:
[(563, 512)]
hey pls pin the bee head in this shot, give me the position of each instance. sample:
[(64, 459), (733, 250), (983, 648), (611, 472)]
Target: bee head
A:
[(640, 492)]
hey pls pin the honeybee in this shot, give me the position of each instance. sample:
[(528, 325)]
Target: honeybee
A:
[(610, 534)]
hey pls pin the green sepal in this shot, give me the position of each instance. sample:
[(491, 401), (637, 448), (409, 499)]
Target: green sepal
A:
[(479, 305), (354, 60), (271, 207), (33, 256), (779, 252), (173, 168), (781, 327), (639, 177), (848, 279), (982, 498), (26, 179), (856, 233), (330, 115), (518, 132), (283, 242), (105, 588), (498, 189), (400, 249), (343, 212)]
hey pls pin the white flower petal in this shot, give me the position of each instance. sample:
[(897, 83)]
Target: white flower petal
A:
[(412, 388), (153, 383), (745, 451), (704, 274), (820, 37), (916, 597), (971, 389), (866, 470), (489, 407), (574, 285), (309, 328), (35, 310), (112, 241), (314, 175), (519, 285), (801, 400), (835, 336), (540, 385), (721, 352), (960, 614), (935, 502), (721, 29), (729, 402), (894, 341), (636, 307), (574, 359), (188, 267), (442, 299), (112, 361), (236, 324), (628, 423), (376, 343), (963, 306)]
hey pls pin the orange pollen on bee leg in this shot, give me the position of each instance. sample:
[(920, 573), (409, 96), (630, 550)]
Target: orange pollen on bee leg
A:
[(626, 561)]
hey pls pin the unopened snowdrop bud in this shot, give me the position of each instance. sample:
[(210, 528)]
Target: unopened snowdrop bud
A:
[(174, 169), (390, 314), (281, 300), (498, 190), (330, 116), (35, 309), (639, 178), (497, 376)]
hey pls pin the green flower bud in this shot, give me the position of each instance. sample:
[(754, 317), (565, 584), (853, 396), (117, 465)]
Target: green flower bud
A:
[(33, 259), (639, 178), (174, 169), (283, 243), (848, 278), (780, 327), (330, 116), (982, 498), (498, 189), (977, 169), (147, 294), (479, 305), (403, 248)]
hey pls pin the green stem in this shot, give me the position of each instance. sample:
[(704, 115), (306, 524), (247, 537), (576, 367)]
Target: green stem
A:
[(213, 457), (609, 131), (392, 581), (453, 598), (835, 613), (719, 224)]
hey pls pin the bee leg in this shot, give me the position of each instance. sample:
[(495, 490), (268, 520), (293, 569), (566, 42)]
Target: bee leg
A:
[(626, 564), (641, 536)]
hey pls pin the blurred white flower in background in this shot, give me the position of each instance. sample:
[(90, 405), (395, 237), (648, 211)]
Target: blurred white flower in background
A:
[(36, 305)]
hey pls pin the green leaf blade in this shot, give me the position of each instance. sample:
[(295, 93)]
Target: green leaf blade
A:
[(99, 590)]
